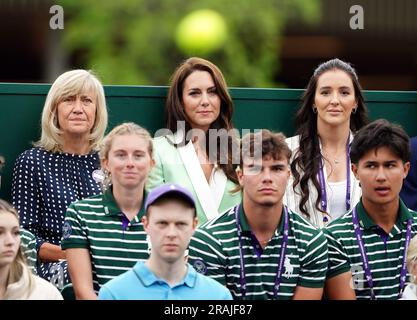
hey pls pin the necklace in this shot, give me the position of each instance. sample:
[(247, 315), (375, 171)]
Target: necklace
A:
[(332, 159), (323, 192)]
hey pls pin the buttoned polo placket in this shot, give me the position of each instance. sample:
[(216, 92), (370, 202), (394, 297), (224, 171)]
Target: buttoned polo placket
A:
[(247, 233), (111, 208), (369, 226), (148, 278)]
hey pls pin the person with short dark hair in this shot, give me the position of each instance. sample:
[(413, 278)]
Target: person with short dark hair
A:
[(260, 249), (368, 244), (170, 221), (322, 186)]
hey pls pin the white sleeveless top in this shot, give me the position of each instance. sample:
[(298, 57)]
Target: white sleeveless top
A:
[(337, 198)]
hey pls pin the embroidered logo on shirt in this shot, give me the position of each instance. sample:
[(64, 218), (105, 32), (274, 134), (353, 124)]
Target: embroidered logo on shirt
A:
[(200, 266), (66, 230), (289, 268)]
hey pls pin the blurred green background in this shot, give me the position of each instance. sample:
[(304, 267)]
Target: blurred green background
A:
[(134, 41)]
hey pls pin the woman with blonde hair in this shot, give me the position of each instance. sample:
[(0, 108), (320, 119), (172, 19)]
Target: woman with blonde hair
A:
[(410, 291), (60, 168), (16, 280), (103, 235)]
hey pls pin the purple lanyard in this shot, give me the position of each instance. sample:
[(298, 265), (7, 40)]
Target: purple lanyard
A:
[(281, 256), (323, 193), (368, 274)]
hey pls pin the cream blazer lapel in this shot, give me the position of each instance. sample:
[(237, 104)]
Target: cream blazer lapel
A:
[(210, 196)]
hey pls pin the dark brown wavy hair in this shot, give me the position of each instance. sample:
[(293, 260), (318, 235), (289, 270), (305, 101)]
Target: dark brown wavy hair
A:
[(308, 157), (174, 111)]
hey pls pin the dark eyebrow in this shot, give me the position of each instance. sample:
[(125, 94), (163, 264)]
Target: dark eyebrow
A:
[(328, 87), (278, 166), (385, 162), (209, 88)]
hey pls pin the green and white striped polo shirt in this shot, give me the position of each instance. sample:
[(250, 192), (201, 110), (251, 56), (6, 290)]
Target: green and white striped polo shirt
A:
[(115, 243), (384, 251), (28, 246), (214, 251)]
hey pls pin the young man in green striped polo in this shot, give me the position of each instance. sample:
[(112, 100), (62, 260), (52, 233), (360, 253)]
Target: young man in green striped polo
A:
[(367, 246), (259, 249)]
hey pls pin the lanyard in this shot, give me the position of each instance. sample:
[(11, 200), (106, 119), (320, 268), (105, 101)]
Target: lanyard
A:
[(368, 274), (281, 256), (323, 193)]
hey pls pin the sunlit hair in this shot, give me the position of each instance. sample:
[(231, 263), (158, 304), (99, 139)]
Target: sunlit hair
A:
[(127, 128), (412, 257), (263, 143), (174, 109), (306, 163), (72, 83), (18, 265)]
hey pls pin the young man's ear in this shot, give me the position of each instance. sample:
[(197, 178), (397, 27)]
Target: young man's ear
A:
[(145, 222), (406, 169), (354, 168), (195, 223)]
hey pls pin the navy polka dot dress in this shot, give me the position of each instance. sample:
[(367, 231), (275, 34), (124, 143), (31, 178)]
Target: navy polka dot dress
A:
[(44, 185)]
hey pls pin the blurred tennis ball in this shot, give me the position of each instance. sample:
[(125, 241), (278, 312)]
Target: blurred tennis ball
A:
[(201, 32)]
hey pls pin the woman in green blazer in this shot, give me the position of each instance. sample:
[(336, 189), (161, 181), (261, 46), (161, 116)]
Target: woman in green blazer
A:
[(197, 148)]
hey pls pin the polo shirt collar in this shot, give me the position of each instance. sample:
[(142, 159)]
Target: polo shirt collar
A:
[(112, 209), (367, 223), (148, 278), (243, 221)]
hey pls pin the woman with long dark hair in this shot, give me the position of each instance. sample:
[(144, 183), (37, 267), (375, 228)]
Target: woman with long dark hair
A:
[(197, 148), (332, 110)]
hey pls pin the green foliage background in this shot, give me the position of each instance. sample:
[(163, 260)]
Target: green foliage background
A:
[(132, 42)]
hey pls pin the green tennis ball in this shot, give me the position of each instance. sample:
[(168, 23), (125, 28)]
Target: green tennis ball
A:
[(201, 32)]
